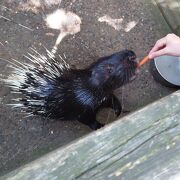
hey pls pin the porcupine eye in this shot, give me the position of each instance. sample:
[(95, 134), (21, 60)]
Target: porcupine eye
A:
[(110, 68)]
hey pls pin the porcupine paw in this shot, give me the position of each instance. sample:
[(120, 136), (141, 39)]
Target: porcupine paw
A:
[(116, 106), (117, 110), (96, 125)]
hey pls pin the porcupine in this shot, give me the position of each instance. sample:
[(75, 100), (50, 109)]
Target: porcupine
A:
[(50, 87)]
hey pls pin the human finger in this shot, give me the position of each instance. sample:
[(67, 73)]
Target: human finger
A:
[(159, 44), (158, 53)]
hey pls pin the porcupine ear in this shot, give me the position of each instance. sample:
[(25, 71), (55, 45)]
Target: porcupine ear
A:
[(95, 78), (101, 74)]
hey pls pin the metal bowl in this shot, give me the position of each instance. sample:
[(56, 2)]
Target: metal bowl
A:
[(166, 70)]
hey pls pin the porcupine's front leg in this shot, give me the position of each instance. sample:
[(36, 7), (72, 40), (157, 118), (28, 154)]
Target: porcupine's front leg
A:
[(113, 103), (89, 118)]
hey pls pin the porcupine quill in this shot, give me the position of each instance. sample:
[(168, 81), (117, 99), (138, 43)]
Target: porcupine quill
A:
[(34, 79)]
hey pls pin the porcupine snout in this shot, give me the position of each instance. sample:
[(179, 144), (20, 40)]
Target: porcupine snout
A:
[(130, 65)]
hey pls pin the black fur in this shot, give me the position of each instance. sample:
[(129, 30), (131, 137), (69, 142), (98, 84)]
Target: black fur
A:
[(80, 94)]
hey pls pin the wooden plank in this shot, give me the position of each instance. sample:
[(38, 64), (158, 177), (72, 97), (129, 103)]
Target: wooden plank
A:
[(142, 145), (170, 9)]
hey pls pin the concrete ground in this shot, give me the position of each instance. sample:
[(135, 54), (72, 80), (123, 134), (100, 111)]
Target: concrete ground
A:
[(24, 139)]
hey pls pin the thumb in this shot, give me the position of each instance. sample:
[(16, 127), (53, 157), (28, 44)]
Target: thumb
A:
[(157, 53)]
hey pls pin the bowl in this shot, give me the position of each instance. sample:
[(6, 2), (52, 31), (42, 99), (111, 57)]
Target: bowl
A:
[(166, 70)]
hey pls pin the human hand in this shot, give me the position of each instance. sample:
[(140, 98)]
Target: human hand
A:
[(168, 45)]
